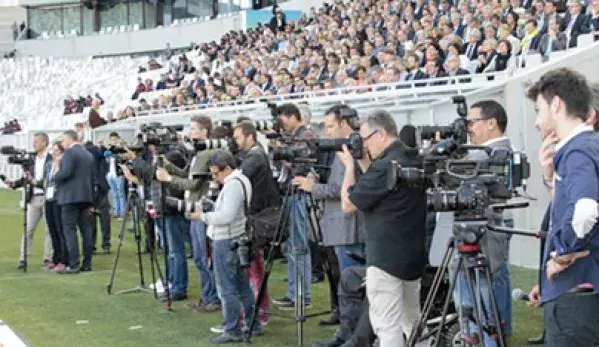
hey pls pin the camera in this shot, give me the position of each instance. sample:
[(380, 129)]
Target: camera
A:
[(354, 143), (206, 204), (202, 145), (161, 136), (242, 246), (18, 156), (457, 130), (472, 189)]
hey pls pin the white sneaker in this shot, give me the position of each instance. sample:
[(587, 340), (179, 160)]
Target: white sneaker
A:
[(218, 329), (160, 286)]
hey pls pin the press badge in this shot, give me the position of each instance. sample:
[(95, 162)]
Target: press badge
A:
[(50, 193)]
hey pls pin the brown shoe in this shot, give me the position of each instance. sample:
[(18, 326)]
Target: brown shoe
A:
[(58, 267), (211, 307), (196, 306)]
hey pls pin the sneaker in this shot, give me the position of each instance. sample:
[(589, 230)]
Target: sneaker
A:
[(59, 267), (226, 338), (291, 306), (160, 286), (282, 301), (218, 329)]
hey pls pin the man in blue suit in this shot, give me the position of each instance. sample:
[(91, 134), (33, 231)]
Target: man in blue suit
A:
[(75, 181)]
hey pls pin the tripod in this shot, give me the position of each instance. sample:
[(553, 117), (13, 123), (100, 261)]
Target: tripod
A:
[(299, 253), (27, 194), (135, 205), (472, 263)]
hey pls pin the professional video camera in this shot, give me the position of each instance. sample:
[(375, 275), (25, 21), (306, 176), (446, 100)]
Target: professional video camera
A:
[(159, 135), (457, 130), (471, 188), (18, 156)]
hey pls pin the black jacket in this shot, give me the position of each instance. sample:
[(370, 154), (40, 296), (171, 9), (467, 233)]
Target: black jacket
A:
[(256, 167), (100, 168)]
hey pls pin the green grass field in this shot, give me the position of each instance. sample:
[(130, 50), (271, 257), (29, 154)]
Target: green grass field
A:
[(44, 308)]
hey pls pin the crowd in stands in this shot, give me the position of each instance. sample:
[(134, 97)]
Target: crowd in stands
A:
[(10, 127), (74, 106), (362, 43)]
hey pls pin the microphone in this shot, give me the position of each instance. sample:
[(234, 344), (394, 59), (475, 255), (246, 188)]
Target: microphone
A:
[(518, 294), (8, 150)]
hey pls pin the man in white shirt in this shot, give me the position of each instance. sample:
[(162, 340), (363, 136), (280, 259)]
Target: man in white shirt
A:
[(35, 206)]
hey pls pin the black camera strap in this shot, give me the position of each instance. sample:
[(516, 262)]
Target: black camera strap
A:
[(245, 207)]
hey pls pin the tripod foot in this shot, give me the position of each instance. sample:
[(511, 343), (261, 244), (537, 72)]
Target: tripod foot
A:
[(109, 289), (168, 305)]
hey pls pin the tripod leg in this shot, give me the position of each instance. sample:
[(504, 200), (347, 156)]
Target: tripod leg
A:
[(473, 288), (150, 223), (118, 250), (432, 294), (137, 213), (494, 308), (452, 284), (25, 233)]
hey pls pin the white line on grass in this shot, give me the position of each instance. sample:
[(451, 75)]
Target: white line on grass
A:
[(25, 276)]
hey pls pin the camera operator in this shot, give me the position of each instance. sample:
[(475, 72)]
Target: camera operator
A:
[(35, 209), (570, 274), (345, 232), (195, 185), (487, 121), (74, 181), (298, 241), (116, 181), (227, 229), (101, 204), (395, 239), (255, 166)]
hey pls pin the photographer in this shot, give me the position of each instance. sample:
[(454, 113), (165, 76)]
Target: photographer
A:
[(395, 239), (569, 279), (298, 241), (487, 121), (35, 209), (345, 232), (101, 204), (256, 167), (227, 230), (195, 184), (116, 181)]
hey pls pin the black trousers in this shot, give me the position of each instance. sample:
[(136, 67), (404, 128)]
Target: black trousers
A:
[(571, 320), (318, 254), (102, 210), (73, 216), (355, 326), (54, 222)]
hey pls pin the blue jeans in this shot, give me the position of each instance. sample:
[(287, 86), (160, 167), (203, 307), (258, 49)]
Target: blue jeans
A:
[(234, 288), (117, 195), (502, 288), (344, 259), (461, 293), (176, 228), (297, 242), (198, 243)]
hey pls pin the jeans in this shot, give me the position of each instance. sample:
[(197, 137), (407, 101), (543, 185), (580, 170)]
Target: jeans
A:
[(208, 293), (502, 288), (344, 259), (117, 194), (296, 247), (176, 228), (233, 286), (571, 320)]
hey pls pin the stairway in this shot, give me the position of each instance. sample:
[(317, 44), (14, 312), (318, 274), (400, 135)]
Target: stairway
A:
[(9, 15)]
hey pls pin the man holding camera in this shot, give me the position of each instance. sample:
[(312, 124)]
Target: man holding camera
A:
[(195, 183), (569, 274), (487, 121), (395, 239), (35, 209), (255, 166), (344, 232), (230, 242), (296, 247), (75, 181)]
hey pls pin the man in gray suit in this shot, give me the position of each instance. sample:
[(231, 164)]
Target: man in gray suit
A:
[(344, 232), (487, 122), (75, 182), (554, 40)]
